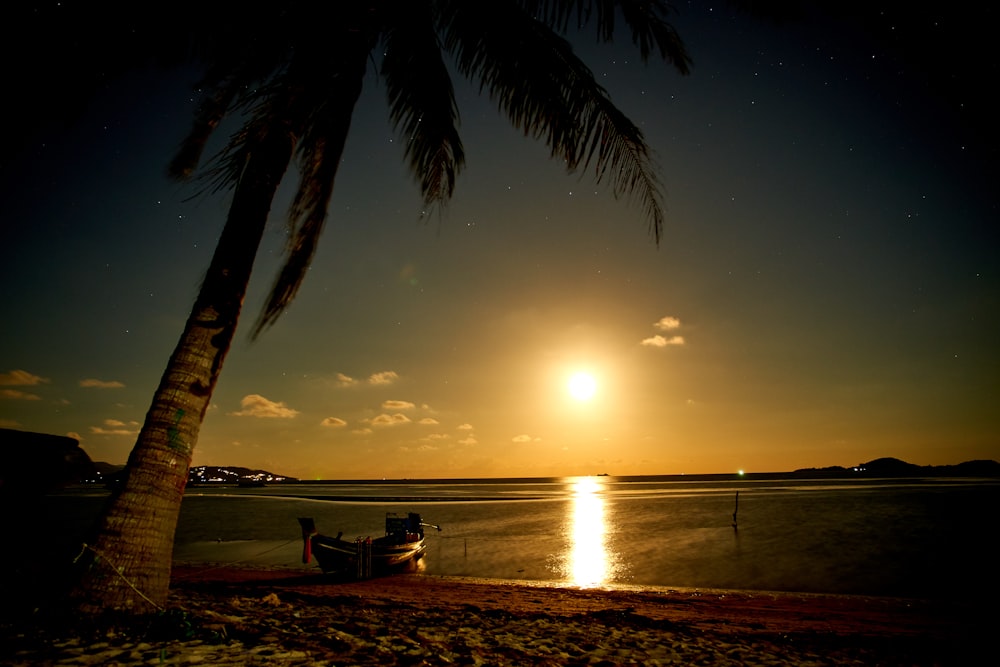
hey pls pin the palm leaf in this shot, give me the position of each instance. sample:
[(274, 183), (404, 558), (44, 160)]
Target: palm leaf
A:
[(550, 94), (423, 108), (646, 19), (321, 107)]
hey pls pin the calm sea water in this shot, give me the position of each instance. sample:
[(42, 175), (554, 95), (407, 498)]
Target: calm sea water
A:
[(903, 537)]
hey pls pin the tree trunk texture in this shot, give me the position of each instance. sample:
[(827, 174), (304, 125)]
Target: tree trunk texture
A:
[(126, 566)]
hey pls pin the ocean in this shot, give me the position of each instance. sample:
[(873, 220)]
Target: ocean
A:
[(898, 537)]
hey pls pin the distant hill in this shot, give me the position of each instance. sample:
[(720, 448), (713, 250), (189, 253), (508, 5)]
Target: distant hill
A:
[(891, 467), (233, 475), (37, 463), (108, 472)]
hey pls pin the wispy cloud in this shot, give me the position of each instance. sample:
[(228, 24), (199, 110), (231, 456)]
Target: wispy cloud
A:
[(464, 427), (21, 378), (115, 427), (428, 421), (94, 383), (419, 448), (377, 379), (389, 420), (661, 341), (524, 437), (345, 380), (255, 405), (665, 323), (385, 377), (18, 395), (397, 405), (334, 422)]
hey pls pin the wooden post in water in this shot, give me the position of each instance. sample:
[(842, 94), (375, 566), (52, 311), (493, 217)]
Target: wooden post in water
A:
[(736, 509)]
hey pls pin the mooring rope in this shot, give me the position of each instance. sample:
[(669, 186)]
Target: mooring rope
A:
[(243, 560), (131, 585), (116, 571)]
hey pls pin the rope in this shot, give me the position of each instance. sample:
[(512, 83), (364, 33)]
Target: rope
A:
[(86, 546), (243, 560), (116, 571)]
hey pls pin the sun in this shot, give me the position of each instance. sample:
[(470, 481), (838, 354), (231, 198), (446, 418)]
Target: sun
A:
[(582, 386)]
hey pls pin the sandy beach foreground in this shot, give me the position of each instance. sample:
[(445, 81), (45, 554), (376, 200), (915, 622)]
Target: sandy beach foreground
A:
[(239, 616)]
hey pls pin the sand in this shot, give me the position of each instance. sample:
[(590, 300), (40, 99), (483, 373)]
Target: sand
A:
[(243, 616)]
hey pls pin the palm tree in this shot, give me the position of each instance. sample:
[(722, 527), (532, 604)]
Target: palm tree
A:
[(292, 73)]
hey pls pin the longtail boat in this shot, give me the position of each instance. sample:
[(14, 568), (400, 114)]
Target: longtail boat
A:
[(402, 545)]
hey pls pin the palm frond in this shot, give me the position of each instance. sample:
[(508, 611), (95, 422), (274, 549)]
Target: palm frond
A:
[(647, 20), (423, 107), (241, 52), (550, 94), (323, 114), (207, 118)]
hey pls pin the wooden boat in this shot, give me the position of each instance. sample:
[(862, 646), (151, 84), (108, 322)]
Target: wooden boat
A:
[(402, 545)]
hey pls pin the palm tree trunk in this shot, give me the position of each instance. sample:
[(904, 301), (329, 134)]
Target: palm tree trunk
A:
[(126, 567)]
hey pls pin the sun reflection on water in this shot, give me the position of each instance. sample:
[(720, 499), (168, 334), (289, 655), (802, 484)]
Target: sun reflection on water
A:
[(589, 561)]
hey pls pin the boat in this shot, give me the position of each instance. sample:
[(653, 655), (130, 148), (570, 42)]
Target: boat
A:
[(402, 546)]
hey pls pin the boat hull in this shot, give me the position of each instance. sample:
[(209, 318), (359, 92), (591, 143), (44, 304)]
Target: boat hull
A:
[(401, 546), (341, 556)]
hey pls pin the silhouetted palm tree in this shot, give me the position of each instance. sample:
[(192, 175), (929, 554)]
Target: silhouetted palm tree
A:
[(292, 73)]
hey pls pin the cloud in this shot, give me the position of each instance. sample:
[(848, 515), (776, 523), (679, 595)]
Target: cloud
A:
[(667, 323), (385, 377), (19, 378), (9, 423), (469, 441), (428, 421), (398, 405), (390, 420), (436, 436), (93, 383), (18, 395), (660, 341), (115, 427), (333, 421), (255, 405), (464, 427), (524, 438), (421, 448), (345, 380)]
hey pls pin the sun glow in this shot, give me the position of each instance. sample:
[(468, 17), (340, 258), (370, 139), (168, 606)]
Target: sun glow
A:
[(582, 386)]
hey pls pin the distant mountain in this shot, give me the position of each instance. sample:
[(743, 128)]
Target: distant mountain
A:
[(891, 467)]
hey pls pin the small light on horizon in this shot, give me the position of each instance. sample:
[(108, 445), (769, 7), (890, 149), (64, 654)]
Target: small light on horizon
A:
[(739, 472)]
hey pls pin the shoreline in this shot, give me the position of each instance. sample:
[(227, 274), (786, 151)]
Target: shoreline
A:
[(297, 616)]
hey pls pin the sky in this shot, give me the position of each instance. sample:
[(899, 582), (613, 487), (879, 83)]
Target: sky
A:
[(825, 292)]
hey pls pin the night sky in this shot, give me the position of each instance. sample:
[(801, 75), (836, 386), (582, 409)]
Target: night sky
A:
[(825, 292)]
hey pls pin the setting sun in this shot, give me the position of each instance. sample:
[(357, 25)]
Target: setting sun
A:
[(582, 386)]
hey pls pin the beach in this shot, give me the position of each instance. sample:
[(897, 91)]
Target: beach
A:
[(231, 615)]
